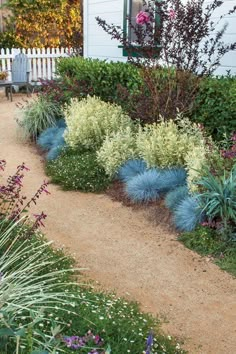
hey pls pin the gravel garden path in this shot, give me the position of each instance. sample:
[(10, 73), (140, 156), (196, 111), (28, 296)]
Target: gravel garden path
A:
[(126, 251)]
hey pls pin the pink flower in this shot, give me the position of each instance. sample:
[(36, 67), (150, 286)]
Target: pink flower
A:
[(142, 18), (172, 14)]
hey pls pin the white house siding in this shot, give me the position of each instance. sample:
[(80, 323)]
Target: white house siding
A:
[(228, 62), (98, 44)]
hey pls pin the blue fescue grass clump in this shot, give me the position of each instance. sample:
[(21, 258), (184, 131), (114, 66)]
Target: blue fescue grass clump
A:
[(59, 140), (131, 168), (152, 183), (52, 140), (144, 187), (57, 146), (61, 123), (188, 214), (171, 178), (54, 153), (45, 139), (175, 197)]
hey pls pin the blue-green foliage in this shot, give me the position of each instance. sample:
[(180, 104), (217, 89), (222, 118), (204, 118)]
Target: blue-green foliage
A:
[(57, 146), (53, 153), (52, 140), (175, 197), (188, 214), (150, 184), (45, 139), (144, 187), (171, 178), (131, 168), (59, 140), (61, 123)]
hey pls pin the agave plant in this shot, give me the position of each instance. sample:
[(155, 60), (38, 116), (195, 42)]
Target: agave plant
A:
[(28, 291), (219, 197)]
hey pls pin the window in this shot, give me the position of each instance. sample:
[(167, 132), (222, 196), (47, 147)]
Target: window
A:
[(131, 9), (135, 6)]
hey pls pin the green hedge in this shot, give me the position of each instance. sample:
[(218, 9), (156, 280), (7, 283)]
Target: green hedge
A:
[(215, 106), (99, 77)]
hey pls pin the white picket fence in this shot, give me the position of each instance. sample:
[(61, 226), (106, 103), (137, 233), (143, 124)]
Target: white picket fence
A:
[(42, 61)]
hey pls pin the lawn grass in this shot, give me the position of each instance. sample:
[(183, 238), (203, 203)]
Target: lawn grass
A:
[(118, 322)]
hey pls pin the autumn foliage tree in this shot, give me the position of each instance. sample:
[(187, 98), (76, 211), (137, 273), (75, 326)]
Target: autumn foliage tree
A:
[(45, 23)]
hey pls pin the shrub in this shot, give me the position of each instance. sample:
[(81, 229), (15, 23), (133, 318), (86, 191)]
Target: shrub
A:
[(75, 170), (38, 115), (195, 160), (215, 106), (131, 168), (164, 144), (144, 187), (117, 149), (96, 77), (188, 214), (174, 197), (90, 120), (176, 42), (163, 93), (218, 198)]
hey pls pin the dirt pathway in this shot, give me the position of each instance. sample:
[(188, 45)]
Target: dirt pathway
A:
[(128, 253)]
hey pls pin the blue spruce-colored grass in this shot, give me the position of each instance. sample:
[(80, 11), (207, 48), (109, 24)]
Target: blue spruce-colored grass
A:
[(130, 169), (171, 178), (54, 153), (143, 187), (46, 138), (188, 214), (175, 197), (57, 146), (59, 140), (61, 123)]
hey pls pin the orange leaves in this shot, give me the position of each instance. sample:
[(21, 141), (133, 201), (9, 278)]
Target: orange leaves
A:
[(47, 23)]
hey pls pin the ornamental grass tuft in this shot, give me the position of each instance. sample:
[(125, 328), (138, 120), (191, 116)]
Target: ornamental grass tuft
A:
[(144, 187), (131, 168), (38, 115), (171, 178), (188, 214), (174, 197)]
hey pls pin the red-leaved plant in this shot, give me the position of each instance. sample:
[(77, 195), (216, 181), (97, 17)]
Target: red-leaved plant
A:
[(176, 44), (182, 33)]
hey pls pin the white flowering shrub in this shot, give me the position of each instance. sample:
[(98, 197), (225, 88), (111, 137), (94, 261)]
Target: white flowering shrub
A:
[(117, 149), (164, 144), (90, 120), (195, 161)]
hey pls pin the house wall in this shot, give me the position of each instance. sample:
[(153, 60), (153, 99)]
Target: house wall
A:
[(98, 44)]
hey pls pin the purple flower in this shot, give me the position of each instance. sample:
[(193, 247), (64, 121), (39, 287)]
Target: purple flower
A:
[(38, 222), (149, 343)]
